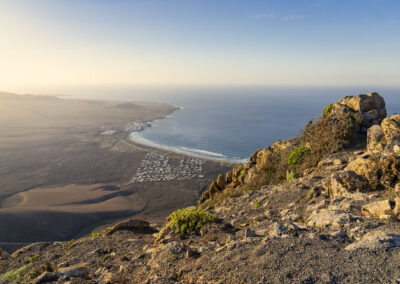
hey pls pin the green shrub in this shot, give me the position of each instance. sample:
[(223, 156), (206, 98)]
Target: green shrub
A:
[(290, 176), (18, 275), (184, 221), (94, 236), (297, 154), (257, 204), (327, 110)]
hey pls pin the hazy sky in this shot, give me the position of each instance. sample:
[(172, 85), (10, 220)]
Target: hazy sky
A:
[(300, 42)]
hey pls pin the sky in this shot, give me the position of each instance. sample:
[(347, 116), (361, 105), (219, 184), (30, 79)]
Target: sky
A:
[(227, 42)]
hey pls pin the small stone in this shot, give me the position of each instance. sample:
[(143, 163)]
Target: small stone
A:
[(190, 253), (249, 233), (337, 234), (218, 249), (174, 247), (276, 230)]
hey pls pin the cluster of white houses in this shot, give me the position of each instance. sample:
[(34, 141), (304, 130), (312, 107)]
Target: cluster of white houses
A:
[(157, 167)]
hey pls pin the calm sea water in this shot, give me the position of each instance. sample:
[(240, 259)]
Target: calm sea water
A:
[(230, 123)]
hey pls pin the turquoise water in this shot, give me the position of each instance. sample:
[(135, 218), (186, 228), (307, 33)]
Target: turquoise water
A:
[(230, 123)]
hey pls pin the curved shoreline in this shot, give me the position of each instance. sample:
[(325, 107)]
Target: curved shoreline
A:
[(198, 153)]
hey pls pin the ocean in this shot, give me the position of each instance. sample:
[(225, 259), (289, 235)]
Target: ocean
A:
[(230, 123)]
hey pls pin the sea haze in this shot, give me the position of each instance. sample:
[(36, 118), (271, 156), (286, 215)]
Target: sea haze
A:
[(230, 123)]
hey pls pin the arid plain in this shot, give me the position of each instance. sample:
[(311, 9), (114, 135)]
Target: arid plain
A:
[(63, 172)]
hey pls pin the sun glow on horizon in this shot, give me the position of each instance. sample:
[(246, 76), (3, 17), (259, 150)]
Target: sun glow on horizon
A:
[(201, 42)]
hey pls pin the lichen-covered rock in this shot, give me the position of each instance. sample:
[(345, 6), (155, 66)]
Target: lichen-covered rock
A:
[(375, 139), (390, 167), (346, 181), (368, 168), (251, 174), (391, 129)]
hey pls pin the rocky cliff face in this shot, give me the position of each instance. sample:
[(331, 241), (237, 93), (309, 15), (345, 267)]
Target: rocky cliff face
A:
[(298, 212)]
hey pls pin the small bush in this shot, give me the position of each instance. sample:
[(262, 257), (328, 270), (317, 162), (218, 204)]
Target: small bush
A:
[(329, 135), (69, 243), (327, 110), (106, 257), (297, 154), (257, 204), (290, 176), (184, 221), (94, 236)]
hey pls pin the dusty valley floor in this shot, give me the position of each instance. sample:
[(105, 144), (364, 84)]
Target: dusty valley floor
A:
[(63, 172)]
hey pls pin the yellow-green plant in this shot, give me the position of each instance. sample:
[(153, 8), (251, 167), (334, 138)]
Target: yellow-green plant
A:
[(94, 235), (184, 221), (290, 176), (297, 154), (18, 275), (327, 110), (257, 204)]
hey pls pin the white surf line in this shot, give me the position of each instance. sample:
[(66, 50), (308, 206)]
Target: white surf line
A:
[(134, 137)]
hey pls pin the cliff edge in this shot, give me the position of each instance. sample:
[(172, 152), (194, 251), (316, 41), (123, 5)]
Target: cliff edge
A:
[(322, 207)]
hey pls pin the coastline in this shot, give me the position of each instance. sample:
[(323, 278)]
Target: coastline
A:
[(134, 137)]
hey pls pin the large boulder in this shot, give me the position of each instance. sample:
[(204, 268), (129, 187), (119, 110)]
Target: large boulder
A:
[(379, 209), (263, 157), (369, 168), (391, 129), (368, 102), (344, 182)]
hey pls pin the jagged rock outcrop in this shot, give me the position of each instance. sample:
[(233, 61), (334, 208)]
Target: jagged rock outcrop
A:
[(368, 111), (371, 107)]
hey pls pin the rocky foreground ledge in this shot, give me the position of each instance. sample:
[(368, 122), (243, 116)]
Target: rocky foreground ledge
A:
[(320, 208)]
